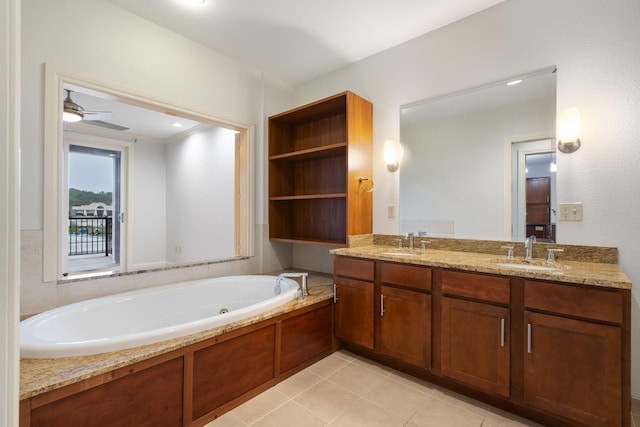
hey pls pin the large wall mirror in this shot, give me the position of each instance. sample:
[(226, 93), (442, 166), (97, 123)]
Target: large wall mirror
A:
[(481, 163), (134, 183)]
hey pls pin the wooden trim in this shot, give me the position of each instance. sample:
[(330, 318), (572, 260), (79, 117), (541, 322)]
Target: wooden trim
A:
[(187, 391)]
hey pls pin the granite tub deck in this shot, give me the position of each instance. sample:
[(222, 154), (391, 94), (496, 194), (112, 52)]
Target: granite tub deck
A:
[(38, 376), (585, 265)]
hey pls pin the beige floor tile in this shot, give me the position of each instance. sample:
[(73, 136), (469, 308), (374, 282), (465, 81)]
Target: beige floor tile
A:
[(290, 415), (507, 419), (636, 419), (356, 379), (326, 399), (373, 366), (437, 413), (364, 413), (229, 419), (397, 398), (462, 401), (410, 424), (346, 355), (328, 365), (260, 405), (296, 384), (413, 382)]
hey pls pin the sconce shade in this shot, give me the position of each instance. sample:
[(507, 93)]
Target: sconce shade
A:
[(392, 155), (569, 130)]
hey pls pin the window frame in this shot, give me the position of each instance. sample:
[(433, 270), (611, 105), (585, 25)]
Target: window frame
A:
[(54, 157)]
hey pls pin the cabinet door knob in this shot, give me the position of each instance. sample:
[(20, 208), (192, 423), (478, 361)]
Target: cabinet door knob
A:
[(528, 337), (381, 305), (502, 332), (335, 293)]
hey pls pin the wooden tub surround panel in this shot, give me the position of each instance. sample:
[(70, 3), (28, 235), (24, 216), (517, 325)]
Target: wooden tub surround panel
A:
[(193, 385)]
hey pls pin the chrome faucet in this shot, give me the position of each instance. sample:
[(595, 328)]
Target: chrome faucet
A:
[(304, 292), (528, 248), (410, 236)]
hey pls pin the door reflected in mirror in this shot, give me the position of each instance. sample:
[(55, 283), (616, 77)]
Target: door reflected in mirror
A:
[(458, 177)]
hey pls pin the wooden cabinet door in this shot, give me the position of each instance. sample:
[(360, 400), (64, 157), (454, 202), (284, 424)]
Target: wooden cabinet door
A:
[(405, 325), (353, 311), (475, 344), (573, 369)]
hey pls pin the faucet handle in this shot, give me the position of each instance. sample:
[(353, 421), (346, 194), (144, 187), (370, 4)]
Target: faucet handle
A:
[(423, 244), (509, 251), (551, 256)]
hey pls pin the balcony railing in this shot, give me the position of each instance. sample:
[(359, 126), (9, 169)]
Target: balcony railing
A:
[(88, 236)]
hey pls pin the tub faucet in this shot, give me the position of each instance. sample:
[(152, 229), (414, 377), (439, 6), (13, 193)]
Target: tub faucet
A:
[(303, 288), (528, 248)]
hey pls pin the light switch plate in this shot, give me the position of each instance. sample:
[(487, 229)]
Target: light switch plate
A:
[(569, 211)]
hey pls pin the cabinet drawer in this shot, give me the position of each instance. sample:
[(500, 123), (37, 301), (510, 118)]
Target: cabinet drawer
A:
[(477, 286), (353, 267), (411, 276), (597, 304)]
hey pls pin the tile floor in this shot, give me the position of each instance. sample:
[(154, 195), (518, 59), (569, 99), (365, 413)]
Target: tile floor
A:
[(346, 390)]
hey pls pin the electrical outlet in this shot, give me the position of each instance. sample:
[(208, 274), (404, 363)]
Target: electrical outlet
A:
[(391, 211), (570, 212)]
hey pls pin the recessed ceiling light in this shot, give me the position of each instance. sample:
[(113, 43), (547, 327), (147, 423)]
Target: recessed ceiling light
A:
[(193, 2), (177, 125), (514, 82)]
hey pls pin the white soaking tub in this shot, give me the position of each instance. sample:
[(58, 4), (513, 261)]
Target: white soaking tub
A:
[(146, 316)]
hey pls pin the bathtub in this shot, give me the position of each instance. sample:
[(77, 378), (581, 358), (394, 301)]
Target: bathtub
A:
[(146, 316)]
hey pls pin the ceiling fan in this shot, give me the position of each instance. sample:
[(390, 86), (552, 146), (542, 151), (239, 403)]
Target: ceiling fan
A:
[(74, 113)]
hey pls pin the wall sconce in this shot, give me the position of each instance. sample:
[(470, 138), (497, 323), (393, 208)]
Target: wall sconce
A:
[(392, 154), (569, 130)]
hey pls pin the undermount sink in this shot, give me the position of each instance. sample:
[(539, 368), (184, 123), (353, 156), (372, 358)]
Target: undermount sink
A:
[(528, 267), (398, 254), (533, 265)]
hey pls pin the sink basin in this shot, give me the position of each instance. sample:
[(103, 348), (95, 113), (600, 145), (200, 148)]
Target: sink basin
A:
[(398, 254), (528, 267)]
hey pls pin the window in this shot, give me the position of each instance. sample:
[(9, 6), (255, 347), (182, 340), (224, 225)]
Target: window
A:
[(187, 194)]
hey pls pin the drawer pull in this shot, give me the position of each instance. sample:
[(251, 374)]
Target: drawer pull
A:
[(528, 337), (381, 305), (502, 332), (335, 293)]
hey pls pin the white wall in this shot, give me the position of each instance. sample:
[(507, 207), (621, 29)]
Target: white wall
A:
[(595, 46), (203, 164), (99, 40), (149, 220)]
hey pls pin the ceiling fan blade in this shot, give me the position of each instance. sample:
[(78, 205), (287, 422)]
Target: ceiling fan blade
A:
[(107, 125), (97, 115)]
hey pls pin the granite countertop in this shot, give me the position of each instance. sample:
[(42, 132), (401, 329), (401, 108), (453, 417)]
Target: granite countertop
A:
[(602, 274), (38, 376)]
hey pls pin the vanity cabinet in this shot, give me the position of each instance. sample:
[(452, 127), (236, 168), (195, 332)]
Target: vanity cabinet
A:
[(405, 313), (573, 352), (318, 155), (475, 325), (353, 300), (554, 352)]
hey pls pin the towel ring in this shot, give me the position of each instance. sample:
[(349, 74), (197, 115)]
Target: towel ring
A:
[(362, 181)]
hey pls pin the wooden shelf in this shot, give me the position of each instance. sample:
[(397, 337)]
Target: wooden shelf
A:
[(309, 196), (312, 153), (314, 189)]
